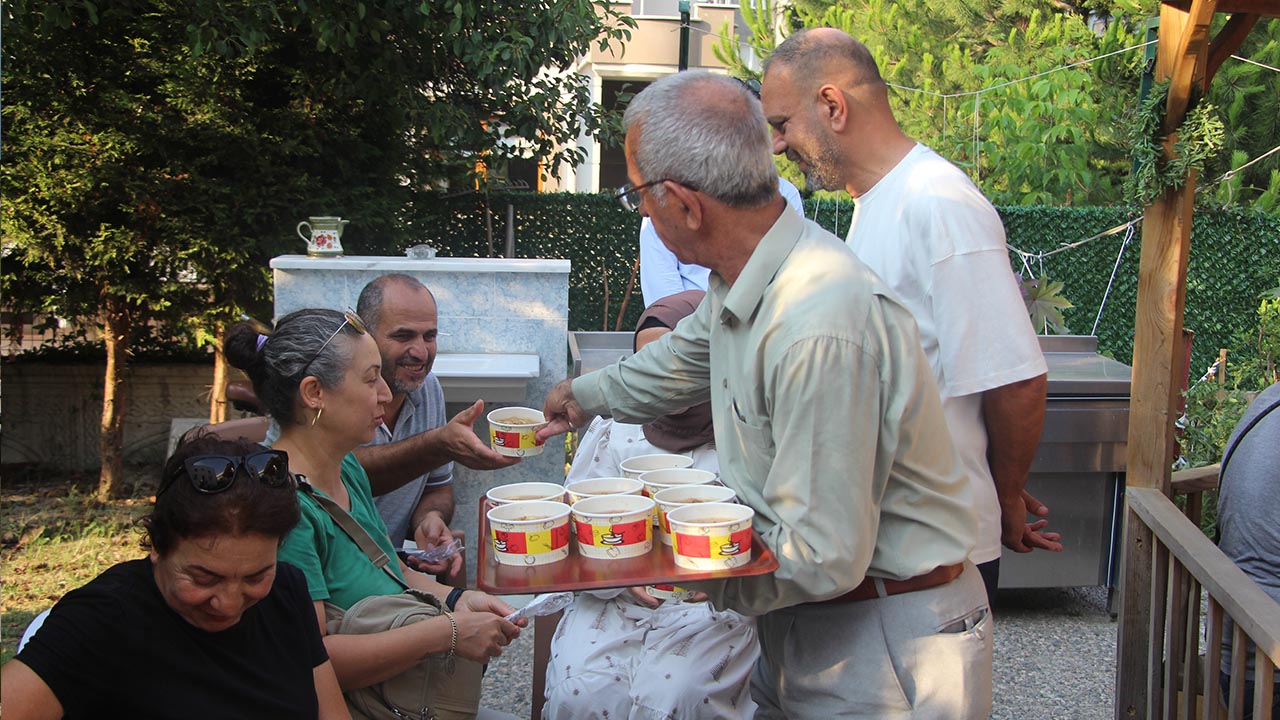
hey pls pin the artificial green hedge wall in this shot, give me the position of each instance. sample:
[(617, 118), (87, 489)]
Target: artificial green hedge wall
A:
[(593, 232), (1234, 256)]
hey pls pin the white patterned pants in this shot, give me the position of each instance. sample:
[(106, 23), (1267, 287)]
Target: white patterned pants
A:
[(617, 659)]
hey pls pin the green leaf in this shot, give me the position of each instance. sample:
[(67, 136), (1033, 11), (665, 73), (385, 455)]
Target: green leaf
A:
[(1045, 303)]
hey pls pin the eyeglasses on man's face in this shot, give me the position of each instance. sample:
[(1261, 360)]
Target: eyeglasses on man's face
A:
[(349, 318), (630, 198), (211, 474)]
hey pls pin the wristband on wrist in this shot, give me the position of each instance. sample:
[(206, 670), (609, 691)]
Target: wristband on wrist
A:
[(451, 601)]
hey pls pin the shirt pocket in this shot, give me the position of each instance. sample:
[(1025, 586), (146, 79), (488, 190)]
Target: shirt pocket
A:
[(752, 435)]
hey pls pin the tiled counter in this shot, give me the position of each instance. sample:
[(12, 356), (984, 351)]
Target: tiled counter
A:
[(485, 306)]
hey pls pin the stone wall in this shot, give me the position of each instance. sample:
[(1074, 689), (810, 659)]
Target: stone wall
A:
[(52, 411)]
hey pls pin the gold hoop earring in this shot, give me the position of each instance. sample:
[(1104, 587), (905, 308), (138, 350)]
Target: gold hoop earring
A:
[(316, 419)]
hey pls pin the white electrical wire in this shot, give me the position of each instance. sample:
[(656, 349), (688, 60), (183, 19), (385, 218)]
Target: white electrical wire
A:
[(1127, 237)]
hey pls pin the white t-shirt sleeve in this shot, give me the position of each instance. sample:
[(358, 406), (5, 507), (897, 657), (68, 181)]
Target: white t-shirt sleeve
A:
[(985, 339), (659, 269), (791, 194)]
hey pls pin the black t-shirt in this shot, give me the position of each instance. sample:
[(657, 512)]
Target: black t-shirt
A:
[(114, 648)]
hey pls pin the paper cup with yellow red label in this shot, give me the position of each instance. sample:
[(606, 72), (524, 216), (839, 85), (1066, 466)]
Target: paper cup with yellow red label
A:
[(673, 497), (711, 536), (597, 487), (532, 532), (669, 592), (655, 481), (613, 526), (632, 467), (525, 491), (512, 431)]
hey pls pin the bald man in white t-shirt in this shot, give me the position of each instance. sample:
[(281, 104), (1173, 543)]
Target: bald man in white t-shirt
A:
[(929, 233)]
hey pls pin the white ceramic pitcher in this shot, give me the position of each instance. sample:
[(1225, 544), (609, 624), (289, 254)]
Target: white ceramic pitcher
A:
[(323, 236)]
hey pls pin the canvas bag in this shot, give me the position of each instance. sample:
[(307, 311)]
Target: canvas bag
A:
[(432, 689)]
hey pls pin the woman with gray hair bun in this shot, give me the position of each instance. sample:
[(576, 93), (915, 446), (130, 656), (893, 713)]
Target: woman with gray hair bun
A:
[(319, 375)]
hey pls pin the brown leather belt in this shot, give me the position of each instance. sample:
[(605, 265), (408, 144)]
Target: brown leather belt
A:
[(866, 590)]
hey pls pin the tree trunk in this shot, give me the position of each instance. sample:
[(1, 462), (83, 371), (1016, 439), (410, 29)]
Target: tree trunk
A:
[(218, 394), (119, 336)]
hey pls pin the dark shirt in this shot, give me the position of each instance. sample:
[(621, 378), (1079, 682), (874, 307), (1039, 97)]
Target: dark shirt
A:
[(1249, 505), (114, 648)]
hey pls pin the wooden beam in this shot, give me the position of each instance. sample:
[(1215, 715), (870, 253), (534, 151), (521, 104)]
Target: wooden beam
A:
[(1185, 60), (1227, 41), (1157, 351), (1157, 359), (1195, 480), (1267, 8)]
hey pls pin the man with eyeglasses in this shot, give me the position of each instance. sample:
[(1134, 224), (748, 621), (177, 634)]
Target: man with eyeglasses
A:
[(928, 232), (827, 423), (661, 274)]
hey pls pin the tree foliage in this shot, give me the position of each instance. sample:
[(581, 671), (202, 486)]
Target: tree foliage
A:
[(1248, 99), (461, 78), (1011, 90), (159, 152)]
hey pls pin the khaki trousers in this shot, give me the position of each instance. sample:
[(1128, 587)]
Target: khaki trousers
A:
[(924, 655)]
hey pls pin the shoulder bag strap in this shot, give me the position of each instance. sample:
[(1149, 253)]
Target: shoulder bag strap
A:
[(1226, 457), (352, 529), (1231, 449)]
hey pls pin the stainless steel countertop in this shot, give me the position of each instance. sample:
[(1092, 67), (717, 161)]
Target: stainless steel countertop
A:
[(1076, 370)]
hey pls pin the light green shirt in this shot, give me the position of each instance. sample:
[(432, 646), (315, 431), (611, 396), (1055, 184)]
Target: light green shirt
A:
[(827, 419), (336, 568)]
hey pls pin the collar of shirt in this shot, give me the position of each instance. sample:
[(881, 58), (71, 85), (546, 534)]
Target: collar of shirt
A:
[(741, 300)]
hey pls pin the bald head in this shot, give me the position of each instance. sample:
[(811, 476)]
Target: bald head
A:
[(825, 55), (829, 111), (369, 305)]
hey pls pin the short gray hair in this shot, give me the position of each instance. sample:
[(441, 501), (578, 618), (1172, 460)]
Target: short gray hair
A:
[(721, 149)]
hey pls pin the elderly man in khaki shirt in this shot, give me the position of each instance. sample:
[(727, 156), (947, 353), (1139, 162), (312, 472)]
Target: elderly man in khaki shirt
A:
[(827, 421)]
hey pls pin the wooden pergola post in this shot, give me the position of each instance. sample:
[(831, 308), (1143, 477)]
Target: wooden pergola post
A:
[(1186, 57)]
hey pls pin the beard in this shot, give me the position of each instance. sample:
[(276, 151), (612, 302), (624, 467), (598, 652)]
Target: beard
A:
[(400, 386), (823, 170), (403, 387)]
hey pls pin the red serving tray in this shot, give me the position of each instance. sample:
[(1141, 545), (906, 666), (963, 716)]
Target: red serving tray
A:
[(577, 572)]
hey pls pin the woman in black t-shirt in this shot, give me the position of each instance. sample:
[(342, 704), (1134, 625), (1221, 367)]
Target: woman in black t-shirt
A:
[(209, 626)]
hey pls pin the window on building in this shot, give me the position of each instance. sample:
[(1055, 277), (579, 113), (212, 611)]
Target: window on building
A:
[(613, 161)]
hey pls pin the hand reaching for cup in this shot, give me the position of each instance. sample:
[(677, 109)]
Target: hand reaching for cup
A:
[(562, 411)]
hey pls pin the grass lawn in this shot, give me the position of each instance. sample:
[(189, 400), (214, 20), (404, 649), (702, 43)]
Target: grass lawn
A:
[(55, 537)]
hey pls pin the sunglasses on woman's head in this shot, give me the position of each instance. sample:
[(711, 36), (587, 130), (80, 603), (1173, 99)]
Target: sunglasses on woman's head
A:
[(349, 318), (212, 474)]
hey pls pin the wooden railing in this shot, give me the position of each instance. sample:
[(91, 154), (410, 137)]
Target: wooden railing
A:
[(1183, 562)]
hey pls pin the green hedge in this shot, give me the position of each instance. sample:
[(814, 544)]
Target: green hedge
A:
[(593, 232), (1234, 256)]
